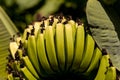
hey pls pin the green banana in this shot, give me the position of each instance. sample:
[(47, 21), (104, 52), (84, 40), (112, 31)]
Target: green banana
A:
[(46, 23), (36, 27), (73, 24), (16, 78), (50, 48), (30, 26), (18, 39), (28, 74), (55, 21), (95, 61), (25, 44), (57, 47), (60, 47), (79, 47), (24, 36), (16, 65), (88, 53), (29, 66), (32, 52), (104, 64), (20, 53), (42, 54), (10, 76), (111, 73), (69, 46)]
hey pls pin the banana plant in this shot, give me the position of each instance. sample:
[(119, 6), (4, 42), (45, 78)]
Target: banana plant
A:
[(101, 26)]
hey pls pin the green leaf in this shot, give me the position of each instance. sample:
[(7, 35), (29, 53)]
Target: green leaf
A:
[(103, 30), (7, 29)]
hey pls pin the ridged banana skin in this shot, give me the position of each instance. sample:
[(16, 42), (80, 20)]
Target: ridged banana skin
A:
[(73, 24), (50, 48), (32, 52), (60, 47), (10, 77), (30, 66), (54, 25), (28, 74), (69, 46), (111, 73), (88, 53), (95, 61), (42, 54), (104, 64), (79, 47)]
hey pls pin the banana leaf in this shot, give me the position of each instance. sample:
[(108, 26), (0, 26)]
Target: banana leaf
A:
[(103, 30), (7, 30)]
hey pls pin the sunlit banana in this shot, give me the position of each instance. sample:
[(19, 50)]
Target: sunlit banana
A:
[(69, 45), (29, 65), (18, 39), (25, 43), (88, 53), (28, 74), (17, 65), (10, 77), (72, 23), (24, 36), (104, 64), (111, 73), (46, 23), (37, 27), (79, 47), (60, 47), (95, 61), (50, 48), (57, 47), (32, 52), (42, 56)]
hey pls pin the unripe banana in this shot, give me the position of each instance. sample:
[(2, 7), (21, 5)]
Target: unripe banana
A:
[(79, 47), (88, 53), (95, 61), (55, 48), (69, 46), (32, 52), (30, 67), (73, 24), (104, 64), (24, 36), (10, 77), (60, 47), (111, 73), (50, 48), (20, 52), (42, 56), (28, 74)]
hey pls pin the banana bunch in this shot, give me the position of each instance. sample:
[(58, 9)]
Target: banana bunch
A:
[(56, 47)]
